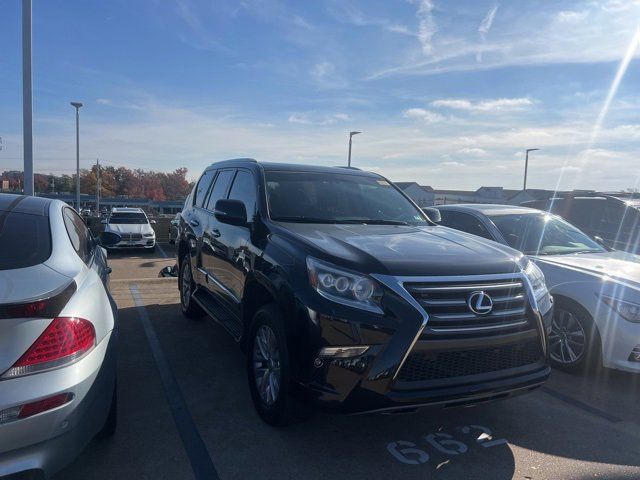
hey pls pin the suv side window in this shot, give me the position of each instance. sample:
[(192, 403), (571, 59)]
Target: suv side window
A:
[(244, 189), (465, 222), (79, 234), (203, 187), (219, 189)]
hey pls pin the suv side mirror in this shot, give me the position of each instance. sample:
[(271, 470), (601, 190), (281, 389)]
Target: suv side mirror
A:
[(433, 214), (109, 239), (152, 222), (232, 212)]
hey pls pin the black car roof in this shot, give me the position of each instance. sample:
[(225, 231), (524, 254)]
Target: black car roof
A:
[(24, 204), (291, 167)]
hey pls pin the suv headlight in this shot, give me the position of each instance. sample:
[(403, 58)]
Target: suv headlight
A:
[(536, 279), (628, 310), (150, 235), (348, 288)]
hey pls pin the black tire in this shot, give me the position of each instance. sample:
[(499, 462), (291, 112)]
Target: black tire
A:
[(111, 423), (189, 307), (574, 341), (283, 409)]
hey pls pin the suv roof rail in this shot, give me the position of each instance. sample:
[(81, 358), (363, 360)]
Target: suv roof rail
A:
[(349, 168)]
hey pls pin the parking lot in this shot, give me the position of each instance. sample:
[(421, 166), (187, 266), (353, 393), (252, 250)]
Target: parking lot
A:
[(185, 412)]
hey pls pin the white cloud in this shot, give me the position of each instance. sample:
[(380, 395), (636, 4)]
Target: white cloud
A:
[(453, 164), (496, 105), (325, 75), (572, 16), (532, 37), (426, 25), (104, 101), (485, 26), (475, 152), (422, 114), (308, 119), (299, 119)]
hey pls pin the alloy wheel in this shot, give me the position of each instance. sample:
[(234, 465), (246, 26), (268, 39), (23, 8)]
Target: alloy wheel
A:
[(266, 365), (567, 340)]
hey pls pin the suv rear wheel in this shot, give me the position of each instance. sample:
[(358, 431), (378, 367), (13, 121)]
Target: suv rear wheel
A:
[(187, 286), (268, 368)]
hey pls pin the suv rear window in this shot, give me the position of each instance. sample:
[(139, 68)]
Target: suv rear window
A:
[(25, 240)]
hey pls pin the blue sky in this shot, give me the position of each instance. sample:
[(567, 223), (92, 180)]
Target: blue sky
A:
[(447, 93)]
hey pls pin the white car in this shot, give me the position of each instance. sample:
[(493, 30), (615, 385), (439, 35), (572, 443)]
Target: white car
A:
[(596, 290), (133, 226)]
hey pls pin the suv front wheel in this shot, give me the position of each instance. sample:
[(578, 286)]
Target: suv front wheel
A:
[(268, 368)]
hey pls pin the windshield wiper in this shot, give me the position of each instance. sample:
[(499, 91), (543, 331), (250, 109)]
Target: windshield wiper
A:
[(372, 221), (304, 219)]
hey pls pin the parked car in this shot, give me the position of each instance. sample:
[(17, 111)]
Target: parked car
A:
[(344, 295), (173, 228), (58, 330), (133, 225), (615, 220), (596, 290)]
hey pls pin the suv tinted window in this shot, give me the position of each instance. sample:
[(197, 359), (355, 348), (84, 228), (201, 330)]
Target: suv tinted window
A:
[(220, 188), (203, 187), (25, 240), (465, 222), (79, 234), (244, 189)]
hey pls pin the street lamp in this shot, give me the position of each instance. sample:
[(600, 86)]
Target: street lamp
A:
[(526, 166), (77, 106), (351, 134)]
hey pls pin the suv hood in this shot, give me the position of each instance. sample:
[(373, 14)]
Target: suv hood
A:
[(620, 265), (129, 228), (407, 250)]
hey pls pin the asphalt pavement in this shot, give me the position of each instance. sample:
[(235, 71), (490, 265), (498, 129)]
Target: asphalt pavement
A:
[(185, 412)]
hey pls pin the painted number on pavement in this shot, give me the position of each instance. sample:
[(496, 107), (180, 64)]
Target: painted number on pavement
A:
[(410, 454)]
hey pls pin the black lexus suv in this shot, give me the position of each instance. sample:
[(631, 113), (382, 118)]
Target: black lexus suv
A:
[(343, 293)]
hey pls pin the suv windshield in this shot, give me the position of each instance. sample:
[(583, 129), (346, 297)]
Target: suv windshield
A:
[(310, 197), (25, 240), (543, 234), (128, 218)]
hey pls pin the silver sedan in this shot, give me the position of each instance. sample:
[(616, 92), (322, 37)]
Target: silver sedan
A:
[(596, 289), (57, 336)]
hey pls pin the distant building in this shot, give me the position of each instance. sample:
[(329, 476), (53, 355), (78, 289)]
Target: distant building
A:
[(423, 196)]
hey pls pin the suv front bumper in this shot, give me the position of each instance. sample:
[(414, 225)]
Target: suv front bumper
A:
[(376, 381)]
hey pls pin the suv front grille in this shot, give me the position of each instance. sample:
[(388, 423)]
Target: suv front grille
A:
[(446, 303), (425, 365)]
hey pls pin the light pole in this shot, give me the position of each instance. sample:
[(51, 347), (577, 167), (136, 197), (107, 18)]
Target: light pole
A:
[(526, 166), (77, 106), (27, 99), (351, 134)]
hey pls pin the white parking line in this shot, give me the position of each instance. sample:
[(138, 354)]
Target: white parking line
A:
[(199, 457)]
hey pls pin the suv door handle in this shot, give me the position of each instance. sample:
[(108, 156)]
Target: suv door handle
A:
[(215, 233), (194, 223)]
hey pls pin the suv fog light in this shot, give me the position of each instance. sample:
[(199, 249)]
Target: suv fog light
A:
[(634, 356), (342, 352)]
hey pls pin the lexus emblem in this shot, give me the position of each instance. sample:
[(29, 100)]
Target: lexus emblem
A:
[(480, 303)]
